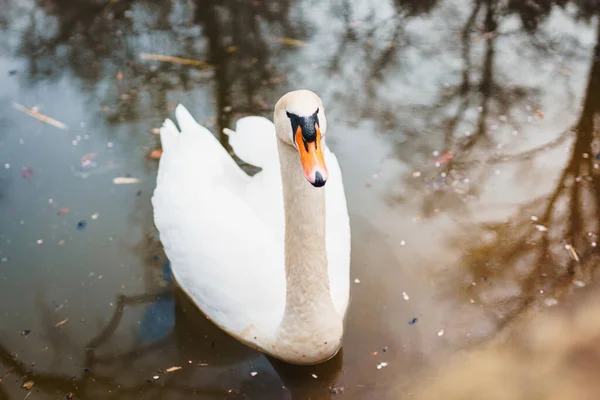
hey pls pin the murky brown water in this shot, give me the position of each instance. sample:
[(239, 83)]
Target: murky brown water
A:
[(465, 132)]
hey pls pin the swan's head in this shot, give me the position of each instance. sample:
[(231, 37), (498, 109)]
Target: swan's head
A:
[(300, 122)]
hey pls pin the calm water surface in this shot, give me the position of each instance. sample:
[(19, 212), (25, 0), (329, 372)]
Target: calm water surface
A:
[(464, 129)]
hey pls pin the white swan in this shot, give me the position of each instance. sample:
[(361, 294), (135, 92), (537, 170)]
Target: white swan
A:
[(266, 258)]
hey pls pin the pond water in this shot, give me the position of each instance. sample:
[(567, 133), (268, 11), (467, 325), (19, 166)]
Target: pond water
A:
[(464, 130)]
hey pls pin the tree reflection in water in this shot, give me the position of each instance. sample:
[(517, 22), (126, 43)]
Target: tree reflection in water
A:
[(99, 42), (549, 247)]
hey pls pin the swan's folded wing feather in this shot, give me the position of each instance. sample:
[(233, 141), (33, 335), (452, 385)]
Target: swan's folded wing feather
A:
[(221, 252), (254, 141), (222, 256)]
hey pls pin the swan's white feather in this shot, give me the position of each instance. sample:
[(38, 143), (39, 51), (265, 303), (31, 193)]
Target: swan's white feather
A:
[(223, 230)]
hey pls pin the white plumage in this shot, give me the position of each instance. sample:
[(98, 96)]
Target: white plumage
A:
[(223, 232)]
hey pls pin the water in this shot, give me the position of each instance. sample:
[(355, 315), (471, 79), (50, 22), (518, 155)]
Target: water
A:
[(455, 123)]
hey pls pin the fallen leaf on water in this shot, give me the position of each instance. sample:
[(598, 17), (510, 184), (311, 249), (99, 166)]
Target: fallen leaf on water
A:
[(290, 41), (173, 369), (539, 113), (88, 157), (41, 117), (156, 154), (26, 172), (171, 59), (28, 385), (61, 323), (122, 180), (62, 211), (119, 75)]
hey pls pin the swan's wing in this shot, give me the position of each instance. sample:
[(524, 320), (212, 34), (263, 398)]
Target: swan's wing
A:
[(223, 256), (254, 141), (196, 147), (338, 235)]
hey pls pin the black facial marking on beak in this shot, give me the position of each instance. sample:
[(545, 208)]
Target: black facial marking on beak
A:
[(307, 124)]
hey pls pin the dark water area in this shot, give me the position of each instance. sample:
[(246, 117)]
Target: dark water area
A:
[(466, 132)]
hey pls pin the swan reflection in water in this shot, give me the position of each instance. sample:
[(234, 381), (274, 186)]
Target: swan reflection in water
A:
[(172, 317)]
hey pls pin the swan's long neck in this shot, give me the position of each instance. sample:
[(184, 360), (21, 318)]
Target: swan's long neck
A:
[(309, 311)]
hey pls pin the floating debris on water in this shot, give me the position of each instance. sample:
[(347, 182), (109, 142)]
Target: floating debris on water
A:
[(81, 225), (156, 154), (288, 41), (579, 283), (61, 323), (44, 118), (26, 172), (62, 211), (25, 332), (382, 365), (440, 332), (572, 252), (405, 296), (28, 385), (123, 180), (336, 390), (95, 216), (253, 373), (314, 376), (541, 228), (413, 321), (173, 369), (357, 280), (174, 60), (549, 302)]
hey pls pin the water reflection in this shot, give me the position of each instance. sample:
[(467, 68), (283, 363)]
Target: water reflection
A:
[(447, 93), (549, 248)]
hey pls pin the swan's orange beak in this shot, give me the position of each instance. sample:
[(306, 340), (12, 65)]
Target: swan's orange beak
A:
[(312, 158)]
